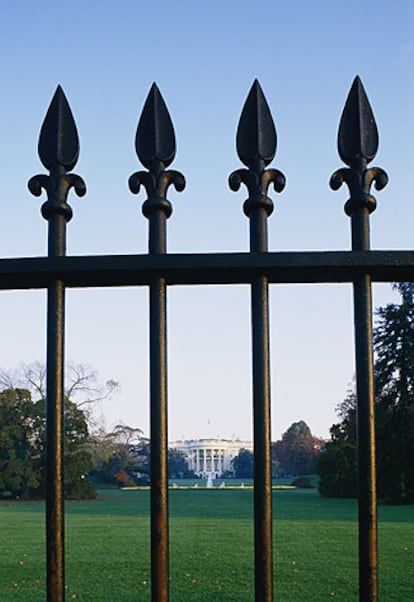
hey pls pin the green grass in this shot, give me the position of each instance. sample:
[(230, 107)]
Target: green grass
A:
[(211, 552)]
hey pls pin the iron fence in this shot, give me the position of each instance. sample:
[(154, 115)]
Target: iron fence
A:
[(256, 147)]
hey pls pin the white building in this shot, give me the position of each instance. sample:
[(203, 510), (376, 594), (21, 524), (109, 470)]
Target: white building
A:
[(210, 456)]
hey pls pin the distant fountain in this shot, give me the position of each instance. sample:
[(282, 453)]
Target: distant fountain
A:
[(209, 483)]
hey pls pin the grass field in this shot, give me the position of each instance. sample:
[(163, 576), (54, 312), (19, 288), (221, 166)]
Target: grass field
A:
[(315, 543)]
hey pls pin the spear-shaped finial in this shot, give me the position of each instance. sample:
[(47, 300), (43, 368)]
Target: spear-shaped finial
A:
[(256, 147), (155, 138), (59, 151), (256, 134), (357, 146), (358, 133), (59, 141), (155, 146)]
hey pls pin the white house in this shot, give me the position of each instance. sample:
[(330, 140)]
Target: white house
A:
[(210, 456)]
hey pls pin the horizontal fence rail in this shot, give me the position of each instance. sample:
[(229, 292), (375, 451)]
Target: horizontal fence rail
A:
[(256, 148), (215, 268)]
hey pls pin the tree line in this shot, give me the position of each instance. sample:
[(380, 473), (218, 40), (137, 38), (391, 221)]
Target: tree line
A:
[(393, 340), (295, 454), (23, 429), (335, 461), (121, 456)]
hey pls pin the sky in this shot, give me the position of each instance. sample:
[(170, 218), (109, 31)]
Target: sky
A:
[(204, 57)]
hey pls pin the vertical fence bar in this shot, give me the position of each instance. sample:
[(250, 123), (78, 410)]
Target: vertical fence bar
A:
[(55, 425), (262, 439), (58, 151), (367, 504), (357, 146), (364, 364), (155, 146), (261, 415), (159, 442), (256, 147), (159, 418)]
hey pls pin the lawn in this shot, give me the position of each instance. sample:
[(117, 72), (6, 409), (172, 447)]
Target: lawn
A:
[(315, 542)]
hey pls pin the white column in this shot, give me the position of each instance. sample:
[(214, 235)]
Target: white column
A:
[(226, 460), (205, 459)]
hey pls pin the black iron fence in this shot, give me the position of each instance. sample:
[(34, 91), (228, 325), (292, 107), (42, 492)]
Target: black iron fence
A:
[(256, 147)]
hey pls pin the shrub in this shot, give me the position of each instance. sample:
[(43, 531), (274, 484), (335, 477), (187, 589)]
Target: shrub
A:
[(337, 469), (81, 489), (302, 483), (122, 479)]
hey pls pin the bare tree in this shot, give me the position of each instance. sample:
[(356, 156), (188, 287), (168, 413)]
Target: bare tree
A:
[(82, 384)]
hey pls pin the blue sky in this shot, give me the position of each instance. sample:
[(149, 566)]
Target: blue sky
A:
[(204, 57)]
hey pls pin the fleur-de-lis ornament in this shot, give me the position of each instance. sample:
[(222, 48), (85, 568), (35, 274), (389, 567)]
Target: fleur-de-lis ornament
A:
[(357, 146), (59, 151), (256, 147), (155, 147)]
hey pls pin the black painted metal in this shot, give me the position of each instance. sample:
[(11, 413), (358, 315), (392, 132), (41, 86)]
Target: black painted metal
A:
[(58, 151), (155, 146), (213, 268), (256, 146), (358, 144), (367, 503)]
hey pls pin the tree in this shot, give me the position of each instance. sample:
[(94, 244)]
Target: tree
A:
[(122, 451), (82, 384), (23, 447), (394, 379), (83, 391), (19, 474), (394, 389), (295, 453), (177, 465), (243, 464), (77, 450), (337, 465)]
